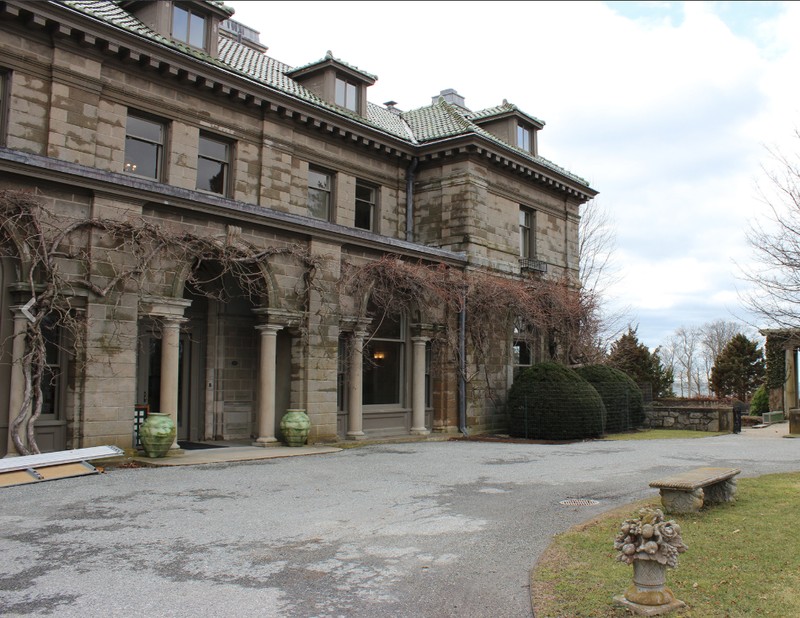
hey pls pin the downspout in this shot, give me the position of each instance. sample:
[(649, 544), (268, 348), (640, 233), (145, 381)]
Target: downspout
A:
[(462, 369), (410, 199)]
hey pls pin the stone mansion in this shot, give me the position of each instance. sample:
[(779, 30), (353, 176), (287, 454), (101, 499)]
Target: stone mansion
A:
[(203, 221)]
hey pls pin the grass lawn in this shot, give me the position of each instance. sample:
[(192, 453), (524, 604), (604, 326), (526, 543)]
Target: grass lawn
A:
[(742, 559)]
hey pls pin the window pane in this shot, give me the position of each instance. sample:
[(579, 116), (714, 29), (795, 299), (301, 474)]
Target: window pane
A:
[(387, 327), (318, 180), (145, 129), (319, 196), (180, 24), (523, 138), (142, 158), (363, 216), (365, 193), (365, 202), (211, 176), (143, 147), (382, 373), (341, 95), (318, 204), (351, 101), (213, 149), (522, 353), (197, 31)]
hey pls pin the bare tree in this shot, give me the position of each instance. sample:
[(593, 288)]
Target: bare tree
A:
[(775, 277), (685, 345), (597, 273)]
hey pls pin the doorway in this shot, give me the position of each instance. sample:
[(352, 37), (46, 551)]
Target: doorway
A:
[(149, 382)]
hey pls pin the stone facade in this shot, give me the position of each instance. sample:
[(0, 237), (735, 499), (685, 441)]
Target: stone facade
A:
[(442, 189)]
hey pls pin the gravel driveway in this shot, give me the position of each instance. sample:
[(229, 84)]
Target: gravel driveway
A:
[(427, 529)]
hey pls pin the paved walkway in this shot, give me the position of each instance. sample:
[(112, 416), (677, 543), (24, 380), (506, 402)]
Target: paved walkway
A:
[(422, 530)]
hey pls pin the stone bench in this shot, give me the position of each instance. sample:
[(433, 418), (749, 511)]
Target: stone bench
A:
[(689, 491)]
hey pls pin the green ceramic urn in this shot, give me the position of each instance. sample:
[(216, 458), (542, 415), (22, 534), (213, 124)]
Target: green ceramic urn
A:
[(157, 434), (294, 426)]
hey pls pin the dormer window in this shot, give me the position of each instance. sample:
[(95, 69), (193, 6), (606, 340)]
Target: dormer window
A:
[(346, 94), (523, 138), (335, 82), (189, 27)]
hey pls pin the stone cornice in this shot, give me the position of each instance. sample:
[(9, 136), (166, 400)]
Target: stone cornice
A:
[(129, 187)]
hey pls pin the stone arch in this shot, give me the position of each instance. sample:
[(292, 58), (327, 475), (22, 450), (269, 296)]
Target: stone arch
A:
[(270, 296)]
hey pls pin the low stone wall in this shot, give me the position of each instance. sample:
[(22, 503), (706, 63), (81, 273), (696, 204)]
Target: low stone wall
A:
[(696, 418)]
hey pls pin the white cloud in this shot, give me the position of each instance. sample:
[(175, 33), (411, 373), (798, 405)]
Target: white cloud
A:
[(666, 108)]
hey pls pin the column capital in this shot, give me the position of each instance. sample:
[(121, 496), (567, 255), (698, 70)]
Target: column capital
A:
[(269, 329), (280, 317), (357, 325), (161, 307), (421, 329)]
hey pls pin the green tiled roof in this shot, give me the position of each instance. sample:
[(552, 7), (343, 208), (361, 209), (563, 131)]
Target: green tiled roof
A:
[(429, 124), (499, 110), (329, 56)]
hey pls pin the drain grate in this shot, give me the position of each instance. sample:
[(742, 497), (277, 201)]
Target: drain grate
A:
[(578, 502)]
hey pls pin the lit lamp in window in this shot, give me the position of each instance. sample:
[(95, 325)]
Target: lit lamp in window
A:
[(379, 355), (130, 167)]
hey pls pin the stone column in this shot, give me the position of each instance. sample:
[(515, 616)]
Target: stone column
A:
[(790, 386), (266, 385), (418, 387), (355, 407), (17, 385), (170, 348)]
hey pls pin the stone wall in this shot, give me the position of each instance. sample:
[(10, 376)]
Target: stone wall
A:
[(692, 417)]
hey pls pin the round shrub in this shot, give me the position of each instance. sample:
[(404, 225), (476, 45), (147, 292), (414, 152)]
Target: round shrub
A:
[(620, 394), (759, 404), (551, 402)]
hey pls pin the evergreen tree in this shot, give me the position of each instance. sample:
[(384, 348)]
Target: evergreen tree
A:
[(739, 369), (642, 365)]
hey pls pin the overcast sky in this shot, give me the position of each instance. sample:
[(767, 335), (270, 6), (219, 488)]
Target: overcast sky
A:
[(666, 108)]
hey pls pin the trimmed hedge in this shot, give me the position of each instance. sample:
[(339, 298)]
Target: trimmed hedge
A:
[(551, 402), (620, 394)]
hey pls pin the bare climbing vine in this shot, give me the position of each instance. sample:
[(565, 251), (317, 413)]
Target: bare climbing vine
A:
[(557, 309), (60, 260)]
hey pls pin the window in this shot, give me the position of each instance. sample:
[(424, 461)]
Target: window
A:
[(320, 185), (521, 348), (51, 376), (3, 106), (527, 233), (213, 161), (523, 138), (188, 27), (383, 361), (428, 392), (144, 147), (365, 206), (346, 94)]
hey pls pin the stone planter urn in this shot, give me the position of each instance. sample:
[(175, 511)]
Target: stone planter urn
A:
[(295, 425), (157, 434), (651, 545)]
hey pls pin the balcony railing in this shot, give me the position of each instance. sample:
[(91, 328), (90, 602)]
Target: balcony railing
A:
[(532, 265)]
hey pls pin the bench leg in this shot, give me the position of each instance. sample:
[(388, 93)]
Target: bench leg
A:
[(682, 501), (723, 491)]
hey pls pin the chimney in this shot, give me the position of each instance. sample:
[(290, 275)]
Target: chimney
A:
[(390, 105), (451, 96)]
